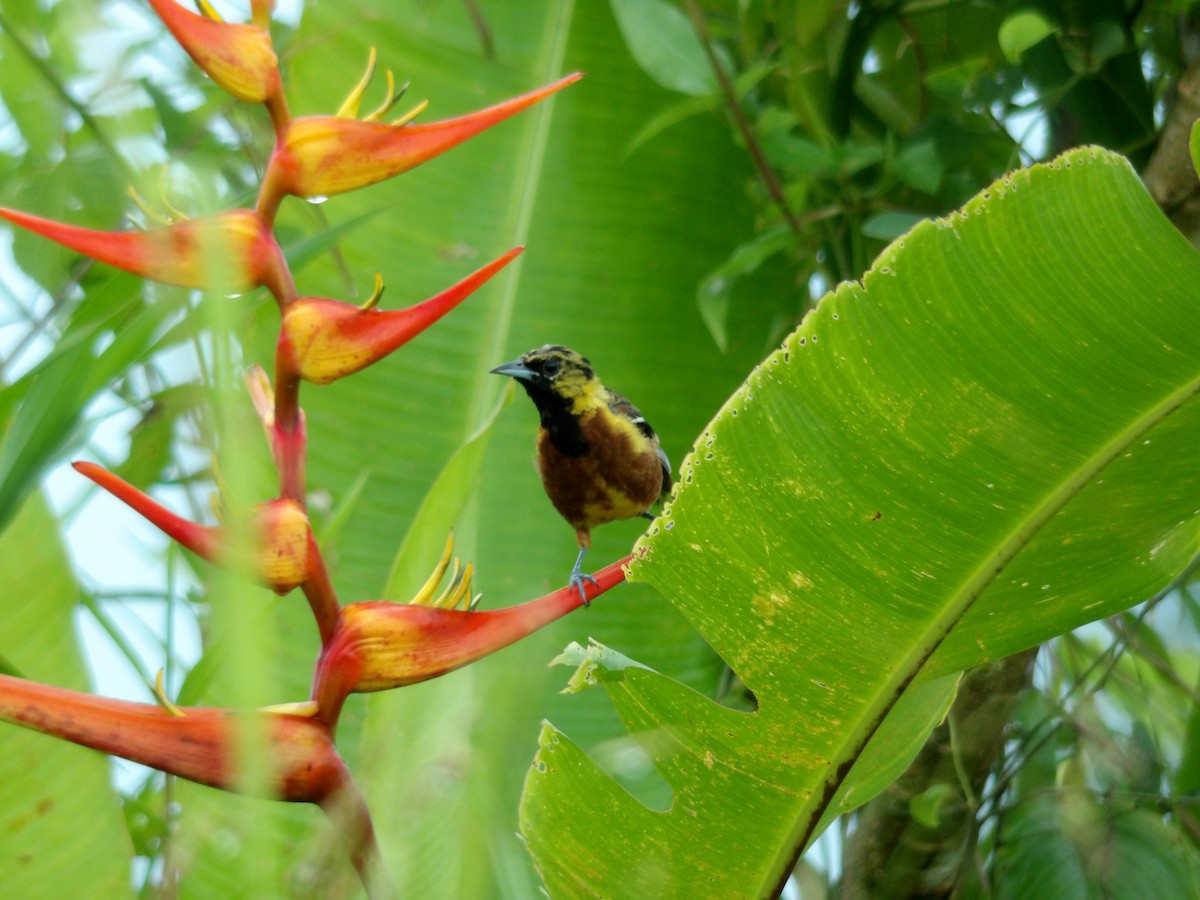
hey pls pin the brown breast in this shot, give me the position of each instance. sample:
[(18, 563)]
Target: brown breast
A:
[(611, 481)]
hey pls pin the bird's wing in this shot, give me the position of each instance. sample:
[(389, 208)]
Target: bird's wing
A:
[(622, 407)]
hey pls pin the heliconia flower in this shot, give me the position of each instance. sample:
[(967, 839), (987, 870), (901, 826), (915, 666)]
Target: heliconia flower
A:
[(199, 744), (237, 57), (323, 340), (318, 156), (283, 553), (379, 645), (230, 252)]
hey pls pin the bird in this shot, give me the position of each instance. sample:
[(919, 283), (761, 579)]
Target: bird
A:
[(598, 457)]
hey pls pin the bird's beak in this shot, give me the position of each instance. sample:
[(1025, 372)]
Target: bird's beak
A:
[(515, 369)]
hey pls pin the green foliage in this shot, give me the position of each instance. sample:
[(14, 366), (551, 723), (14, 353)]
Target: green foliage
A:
[(665, 44), (654, 246), (876, 109), (50, 789)]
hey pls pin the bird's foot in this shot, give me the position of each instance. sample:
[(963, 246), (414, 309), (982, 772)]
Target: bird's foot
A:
[(576, 582)]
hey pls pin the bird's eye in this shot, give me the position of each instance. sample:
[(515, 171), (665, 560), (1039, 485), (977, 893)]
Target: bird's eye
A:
[(550, 367)]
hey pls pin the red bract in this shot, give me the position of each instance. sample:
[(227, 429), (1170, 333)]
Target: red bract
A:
[(323, 340), (280, 536), (200, 539), (229, 252), (379, 645), (319, 156), (200, 745), (370, 646), (239, 58)]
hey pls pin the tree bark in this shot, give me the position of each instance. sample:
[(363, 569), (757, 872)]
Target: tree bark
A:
[(1170, 175)]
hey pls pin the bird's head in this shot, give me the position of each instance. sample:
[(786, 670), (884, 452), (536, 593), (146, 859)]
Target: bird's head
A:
[(553, 374)]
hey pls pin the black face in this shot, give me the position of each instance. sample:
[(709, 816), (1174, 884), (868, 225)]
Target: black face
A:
[(550, 375)]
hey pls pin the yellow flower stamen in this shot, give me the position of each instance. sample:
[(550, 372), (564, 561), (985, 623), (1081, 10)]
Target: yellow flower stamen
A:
[(457, 592), (373, 301), (349, 107), (160, 695), (152, 214), (206, 9), (260, 13), (411, 114), (389, 101), (173, 212), (462, 593), (448, 599), (425, 594)]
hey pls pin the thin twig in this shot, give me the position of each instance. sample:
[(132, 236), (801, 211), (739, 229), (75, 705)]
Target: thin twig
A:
[(765, 172)]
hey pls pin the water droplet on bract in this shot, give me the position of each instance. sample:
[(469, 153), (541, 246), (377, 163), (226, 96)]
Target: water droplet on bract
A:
[(317, 199)]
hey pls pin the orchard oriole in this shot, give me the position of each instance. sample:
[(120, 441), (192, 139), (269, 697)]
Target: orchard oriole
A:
[(598, 457)]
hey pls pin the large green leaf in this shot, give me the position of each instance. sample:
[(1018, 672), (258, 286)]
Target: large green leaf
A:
[(60, 819), (987, 442)]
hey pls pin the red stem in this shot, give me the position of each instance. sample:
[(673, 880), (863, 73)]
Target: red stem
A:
[(347, 811), (320, 593), (288, 435)]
